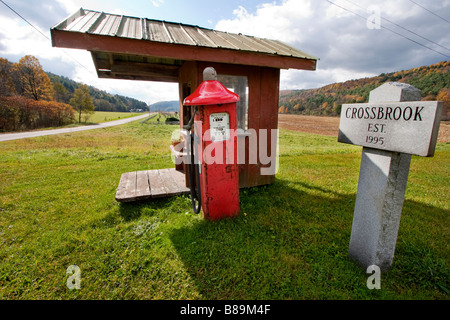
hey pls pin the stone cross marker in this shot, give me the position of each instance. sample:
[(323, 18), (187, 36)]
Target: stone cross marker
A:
[(391, 127)]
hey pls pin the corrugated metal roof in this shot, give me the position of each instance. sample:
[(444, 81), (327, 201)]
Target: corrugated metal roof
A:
[(100, 23)]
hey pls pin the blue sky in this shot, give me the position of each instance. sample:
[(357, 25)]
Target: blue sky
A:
[(205, 13), (345, 35)]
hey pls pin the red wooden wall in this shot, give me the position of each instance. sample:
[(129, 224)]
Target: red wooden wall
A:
[(263, 97)]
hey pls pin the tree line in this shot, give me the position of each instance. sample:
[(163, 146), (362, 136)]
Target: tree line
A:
[(103, 101), (31, 98), (433, 81)]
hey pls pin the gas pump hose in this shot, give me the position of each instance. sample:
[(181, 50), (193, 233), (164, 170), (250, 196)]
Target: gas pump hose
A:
[(193, 170)]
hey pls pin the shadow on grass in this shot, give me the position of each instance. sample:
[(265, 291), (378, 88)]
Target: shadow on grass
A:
[(135, 210), (291, 242)]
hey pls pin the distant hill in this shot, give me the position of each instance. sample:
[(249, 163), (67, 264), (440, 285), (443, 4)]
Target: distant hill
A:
[(433, 81), (165, 106), (103, 101)]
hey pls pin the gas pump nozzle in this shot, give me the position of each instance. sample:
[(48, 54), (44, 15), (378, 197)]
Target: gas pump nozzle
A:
[(188, 126)]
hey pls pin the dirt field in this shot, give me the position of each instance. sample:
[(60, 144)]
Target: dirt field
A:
[(329, 126)]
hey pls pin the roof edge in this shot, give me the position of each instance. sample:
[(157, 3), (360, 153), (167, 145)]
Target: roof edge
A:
[(61, 36), (80, 12)]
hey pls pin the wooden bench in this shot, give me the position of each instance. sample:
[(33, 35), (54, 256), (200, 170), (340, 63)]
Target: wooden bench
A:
[(142, 185)]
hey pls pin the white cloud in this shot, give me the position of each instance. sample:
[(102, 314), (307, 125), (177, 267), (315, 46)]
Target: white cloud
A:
[(17, 39), (270, 20), (335, 11), (70, 6), (157, 3), (347, 47)]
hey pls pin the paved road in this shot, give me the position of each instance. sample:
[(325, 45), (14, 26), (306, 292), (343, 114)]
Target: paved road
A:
[(32, 134)]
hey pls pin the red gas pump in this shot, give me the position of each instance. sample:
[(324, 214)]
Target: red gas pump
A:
[(215, 148)]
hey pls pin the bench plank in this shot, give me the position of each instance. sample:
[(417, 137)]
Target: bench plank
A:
[(169, 183), (142, 185), (127, 187), (180, 180), (157, 188)]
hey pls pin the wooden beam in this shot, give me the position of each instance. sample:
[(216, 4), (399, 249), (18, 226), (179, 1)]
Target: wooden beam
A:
[(135, 70), (144, 69), (94, 42), (148, 77)]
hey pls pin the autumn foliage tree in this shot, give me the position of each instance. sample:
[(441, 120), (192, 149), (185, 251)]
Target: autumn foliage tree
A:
[(444, 96), (432, 80), (7, 87), (20, 113), (32, 81), (26, 97)]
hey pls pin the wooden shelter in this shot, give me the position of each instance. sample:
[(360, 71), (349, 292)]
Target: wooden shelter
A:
[(133, 48)]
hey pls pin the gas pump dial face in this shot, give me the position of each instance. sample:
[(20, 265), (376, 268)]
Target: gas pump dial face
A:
[(220, 126)]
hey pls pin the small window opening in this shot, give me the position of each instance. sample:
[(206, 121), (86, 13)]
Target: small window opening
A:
[(238, 85)]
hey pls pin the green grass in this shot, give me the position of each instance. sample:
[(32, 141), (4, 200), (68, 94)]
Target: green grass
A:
[(57, 209), (105, 116)]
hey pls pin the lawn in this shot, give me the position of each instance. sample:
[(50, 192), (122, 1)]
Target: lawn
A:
[(105, 116), (57, 209)]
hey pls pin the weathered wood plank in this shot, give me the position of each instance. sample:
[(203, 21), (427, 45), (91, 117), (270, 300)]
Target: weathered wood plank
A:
[(127, 187), (180, 180), (121, 187), (169, 183), (157, 187), (142, 185)]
